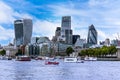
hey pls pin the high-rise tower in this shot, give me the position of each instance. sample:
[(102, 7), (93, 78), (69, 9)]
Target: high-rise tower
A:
[(66, 32), (23, 31), (92, 36)]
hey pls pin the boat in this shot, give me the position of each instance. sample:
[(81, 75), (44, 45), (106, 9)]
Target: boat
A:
[(90, 59), (23, 58), (80, 61), (51, 63), (70, 59), (38, 58), (49, 58), (9, 58), (73, 60), (5, 58)]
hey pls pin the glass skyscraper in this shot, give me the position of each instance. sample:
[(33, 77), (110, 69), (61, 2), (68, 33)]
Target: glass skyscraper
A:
[(23, 31), (92, 36), (66, 32), (74, 38)]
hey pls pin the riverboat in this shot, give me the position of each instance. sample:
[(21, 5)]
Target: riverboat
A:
[(73, 60), (5, 58), (70, 59), (38, 58), (51, 63), (90, 59), (23, 58)]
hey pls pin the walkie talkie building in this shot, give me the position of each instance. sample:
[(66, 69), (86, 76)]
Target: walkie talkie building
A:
[(23, 31)]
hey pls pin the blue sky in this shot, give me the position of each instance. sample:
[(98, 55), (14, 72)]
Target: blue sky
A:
[(46, 16)]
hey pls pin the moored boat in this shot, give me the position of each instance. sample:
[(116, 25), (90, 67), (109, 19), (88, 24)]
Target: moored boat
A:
[(23, 58), (38, 58), (73, 60), (51, 63), (5, 58), (80, 61), (70, 59), (90, 59)]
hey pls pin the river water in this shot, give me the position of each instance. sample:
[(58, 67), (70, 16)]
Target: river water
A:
[(37, 70)]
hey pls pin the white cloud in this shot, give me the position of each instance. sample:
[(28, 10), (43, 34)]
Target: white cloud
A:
[(95, 3), (6, 34), (63, 9), (6, 13), (45, 28), (101, 35), (7, 16), (103, 14)]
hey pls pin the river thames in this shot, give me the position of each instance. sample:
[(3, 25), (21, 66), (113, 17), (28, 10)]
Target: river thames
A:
[(37, 70)]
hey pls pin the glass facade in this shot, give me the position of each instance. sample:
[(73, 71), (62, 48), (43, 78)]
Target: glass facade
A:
[(74, 38), (23, 31), (66, 32), (92, 35)]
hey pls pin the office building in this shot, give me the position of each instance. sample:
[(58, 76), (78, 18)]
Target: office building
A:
[(74, 38), (57, 34), (80, 43), (107, 42), (58, 31), (66, 32), (23, 31), (34, 40), (92, 36)]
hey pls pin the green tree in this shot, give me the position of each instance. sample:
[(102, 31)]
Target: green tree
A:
[(3, 52), (82, 53), (112, 50), (69, 50), (19, 52), (99, 52)]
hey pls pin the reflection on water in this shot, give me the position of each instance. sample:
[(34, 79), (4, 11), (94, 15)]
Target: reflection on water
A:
[(36, 70)]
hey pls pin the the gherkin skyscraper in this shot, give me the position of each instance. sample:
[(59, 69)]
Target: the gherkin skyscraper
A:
[(92, 36)]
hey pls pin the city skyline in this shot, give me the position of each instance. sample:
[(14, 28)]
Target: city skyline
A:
[(47, 15)]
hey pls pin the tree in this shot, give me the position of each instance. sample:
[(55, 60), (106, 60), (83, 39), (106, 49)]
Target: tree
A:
[(82, 53), (112, 50), (3, 52), (69, 50), (99, 52), (19, 52)]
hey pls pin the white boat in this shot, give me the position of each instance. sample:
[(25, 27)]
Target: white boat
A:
[(23, 58), (90, 59), (5, 58), (70, 59), (73, 60)]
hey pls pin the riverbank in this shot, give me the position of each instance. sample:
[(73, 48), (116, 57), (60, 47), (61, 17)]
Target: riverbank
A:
[(108, 59)]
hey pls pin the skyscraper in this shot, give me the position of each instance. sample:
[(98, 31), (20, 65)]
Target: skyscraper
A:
[(92, 36), (74, 38), (66, 32), (57, 34), (23, 31)]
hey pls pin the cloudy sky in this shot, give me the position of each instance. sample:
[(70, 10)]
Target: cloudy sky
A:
[(46, 16)]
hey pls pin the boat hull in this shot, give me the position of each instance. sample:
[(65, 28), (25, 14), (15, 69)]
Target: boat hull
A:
[(51, 63), (23, 58)]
